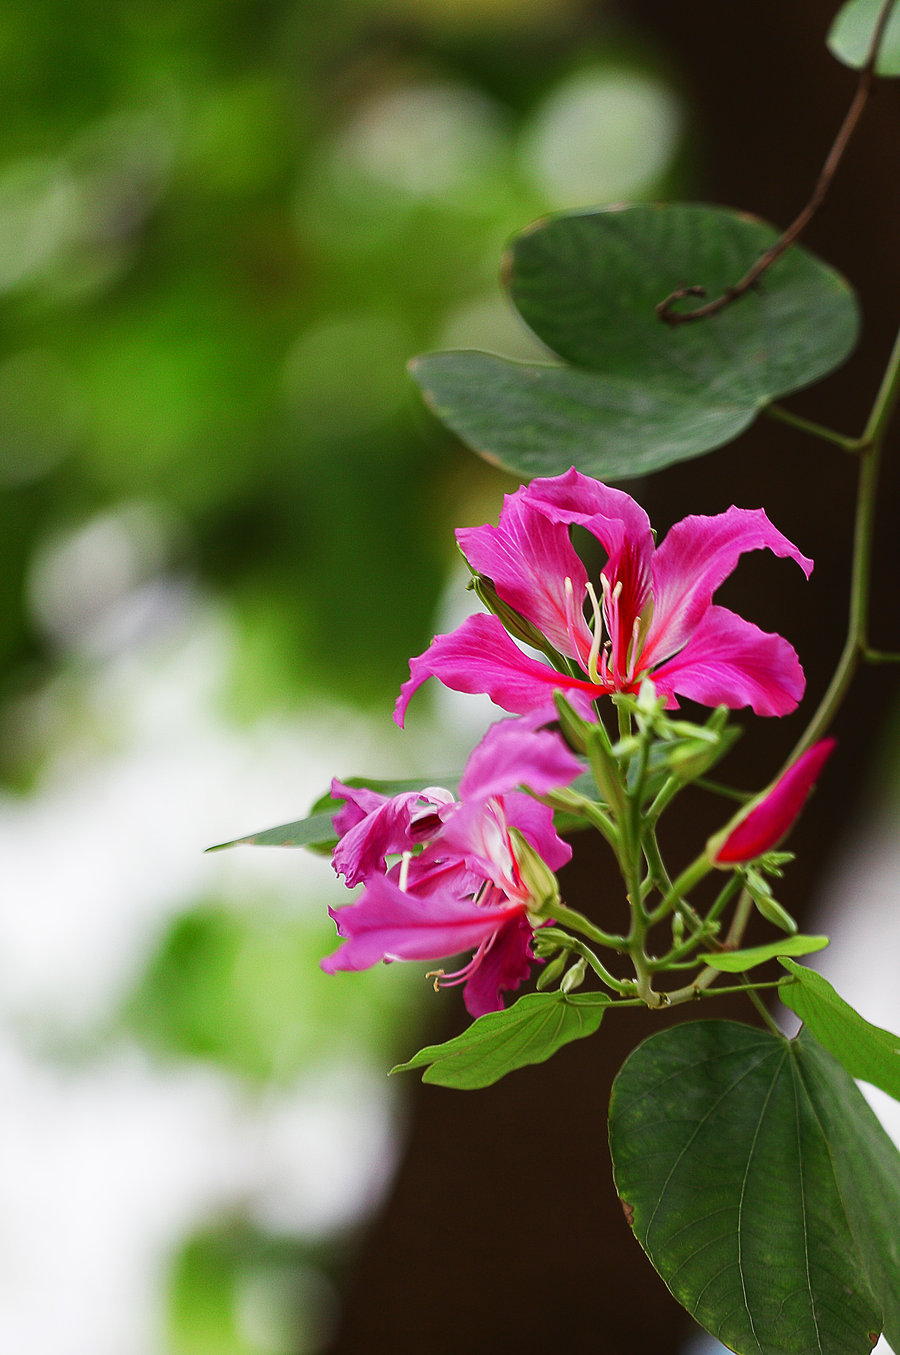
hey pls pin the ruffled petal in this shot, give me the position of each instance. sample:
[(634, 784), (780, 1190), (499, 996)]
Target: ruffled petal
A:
[(387, 923), (358, 802), (697, 555), (513, 753), (768, 820), (505, 963), (480, 657), (535, 822), (393, 825), (730, 662), (529, 558)]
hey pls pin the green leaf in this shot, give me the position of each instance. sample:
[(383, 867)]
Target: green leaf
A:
[(866, 1051), (737, 1155), (736, 961), (850, 36), (498, 1043), (317, 831), (637, 394)]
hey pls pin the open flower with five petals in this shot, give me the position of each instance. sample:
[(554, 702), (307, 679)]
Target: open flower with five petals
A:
[(444, 876), (650, 614)]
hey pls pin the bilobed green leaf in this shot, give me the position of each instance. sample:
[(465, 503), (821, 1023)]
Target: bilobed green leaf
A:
[(866, 1051), (736, 1154), (499, 1042), (736, 961), (850, 36), (636, 394)]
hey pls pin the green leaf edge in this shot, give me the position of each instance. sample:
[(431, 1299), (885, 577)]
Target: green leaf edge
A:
[(867, 1042), (484, 1030), (736, 961)]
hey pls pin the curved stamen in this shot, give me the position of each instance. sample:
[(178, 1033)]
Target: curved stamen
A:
[(634, 650), (597, 628)]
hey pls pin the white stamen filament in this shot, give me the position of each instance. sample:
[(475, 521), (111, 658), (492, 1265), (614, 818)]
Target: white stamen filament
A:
[(597, 639), (633, 649), (404, 870)]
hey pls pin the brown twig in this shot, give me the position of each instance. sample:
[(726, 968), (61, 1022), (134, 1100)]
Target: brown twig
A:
[(799, 224)]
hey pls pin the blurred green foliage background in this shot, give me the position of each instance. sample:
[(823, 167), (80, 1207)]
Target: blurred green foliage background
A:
[(224, 229)]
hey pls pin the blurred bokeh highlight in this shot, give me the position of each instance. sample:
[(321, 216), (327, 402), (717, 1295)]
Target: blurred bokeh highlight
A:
[(226, 524)]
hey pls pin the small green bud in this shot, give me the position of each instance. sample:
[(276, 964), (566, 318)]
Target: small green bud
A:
[(541, 883), (484, 590), (551, 972), (574, 978), (766, 903)]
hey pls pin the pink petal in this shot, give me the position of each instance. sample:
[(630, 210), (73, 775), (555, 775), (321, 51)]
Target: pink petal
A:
[(535, 822), (767, 822), (387, 923), (480, 657), (504, 964), (730, 662), (697, 555), (359, 801), (512, 754), (529, 559), (393, 825), (612, 516)]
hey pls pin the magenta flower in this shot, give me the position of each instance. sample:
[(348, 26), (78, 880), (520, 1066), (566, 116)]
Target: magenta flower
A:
[(466, 873), (769, 818), (651, 613)]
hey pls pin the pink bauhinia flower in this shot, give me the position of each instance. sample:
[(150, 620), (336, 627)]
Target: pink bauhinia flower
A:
[(766, 820), (651, 613), (469, 870)]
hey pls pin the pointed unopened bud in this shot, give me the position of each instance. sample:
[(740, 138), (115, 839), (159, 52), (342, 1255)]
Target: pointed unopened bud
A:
[(517, 626), (762, 823)]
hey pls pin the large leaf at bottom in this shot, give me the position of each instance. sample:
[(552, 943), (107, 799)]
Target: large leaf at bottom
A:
[(737, 1155), (640, 394), (499, 1042)]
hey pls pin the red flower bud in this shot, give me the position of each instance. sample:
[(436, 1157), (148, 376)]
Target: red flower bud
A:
[(766, 820)]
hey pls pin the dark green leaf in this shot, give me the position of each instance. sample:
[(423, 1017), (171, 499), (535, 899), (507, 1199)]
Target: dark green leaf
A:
[(736, 1154), (851, 33), (498, 1043), (736, 961), (641, 394), (866, 1051), (867, 1168)]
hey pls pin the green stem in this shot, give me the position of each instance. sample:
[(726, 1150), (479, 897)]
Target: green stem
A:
[(568, 917), (763, 1011), (691, 992), (879, 656), (707, 976), (855, 645), (728, 792), (625, 987), (689, 877), (816, 430)]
